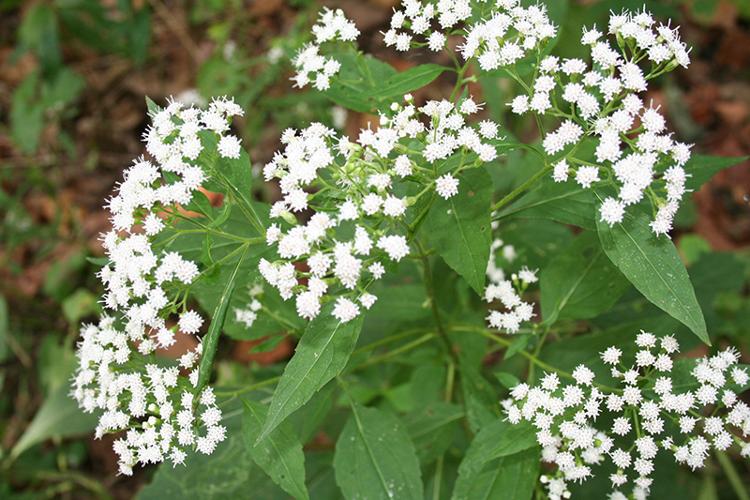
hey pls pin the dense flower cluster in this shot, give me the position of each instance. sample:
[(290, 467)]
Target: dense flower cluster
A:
[(310, 64), (582, 424), (600, 100), (154, 404), (424, 22), (511, 32), (346, 245), (507, 291)]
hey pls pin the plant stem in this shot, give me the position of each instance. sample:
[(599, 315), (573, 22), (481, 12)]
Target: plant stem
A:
[(732, 475), (522, 188)]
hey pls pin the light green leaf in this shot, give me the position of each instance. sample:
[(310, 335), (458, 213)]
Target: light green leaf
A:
[(581, 282), (496, 440), (653, 266), (279, 455), (702, 167), (321, 354), (458, 228), (58, 417), (411, 79), (375, 459)]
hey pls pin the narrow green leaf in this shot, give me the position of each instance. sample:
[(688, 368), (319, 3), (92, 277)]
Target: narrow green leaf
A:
[(581, 282), (211, 339), (459, 228), (279, 455), (653, 266), (321, 354), (375, 459), (59, 416), (702, 167), (496, 440)]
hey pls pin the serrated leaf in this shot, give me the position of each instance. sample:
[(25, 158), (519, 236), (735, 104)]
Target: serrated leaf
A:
[(653, 266), (496, 440), (375, 459), (458, 228), (279, 455), (321, 354), (702, 167), (581, 282)]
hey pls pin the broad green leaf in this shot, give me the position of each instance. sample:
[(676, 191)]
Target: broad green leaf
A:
[(321, 354), (458, 228), (279, 455), (581, 282), (227, 473), (211, 339), (562, 202), (702, 167), (375, 459), (514, 476), (411, 79), (58, 417), (39, 32), (432, 427), (496, 440), (480, 398), (361, 77), (653, 266)]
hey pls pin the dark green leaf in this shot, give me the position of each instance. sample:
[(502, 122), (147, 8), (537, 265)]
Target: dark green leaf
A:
[(375, 459), (279, 455), (411, 79), (514, 476), (653, 266), (702, 167), (458, 228), (581, 282)]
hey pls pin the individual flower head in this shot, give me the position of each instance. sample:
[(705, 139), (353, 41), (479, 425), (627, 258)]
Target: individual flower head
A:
[(507, 290)]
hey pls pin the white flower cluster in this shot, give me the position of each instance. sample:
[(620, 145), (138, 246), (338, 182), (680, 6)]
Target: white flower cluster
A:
[(601, 100), (508, 35), (142, 284), (310, 64), (247, 315), (583, 424), (508, 291), (427, 21), (347, 243)]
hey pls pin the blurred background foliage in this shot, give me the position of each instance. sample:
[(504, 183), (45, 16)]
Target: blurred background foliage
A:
[(73, 76)]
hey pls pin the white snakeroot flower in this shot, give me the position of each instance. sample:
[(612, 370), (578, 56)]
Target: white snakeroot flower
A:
[(229, 147), (446, 186), (345, 310)]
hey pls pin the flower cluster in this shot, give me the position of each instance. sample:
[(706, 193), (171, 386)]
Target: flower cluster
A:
[(346, 243), (310, 64), (142, 283), (425, 21), (600, 100), (247, 315), (508, 291), (508, 35), (583, 424)]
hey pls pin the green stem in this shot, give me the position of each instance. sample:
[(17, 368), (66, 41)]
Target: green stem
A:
[(522, 188), (732, 475)]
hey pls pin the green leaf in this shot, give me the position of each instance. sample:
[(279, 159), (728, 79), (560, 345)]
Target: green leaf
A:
[(411, 79), (458, 228), (321, 354), (432, 429), (653, 266), (211, 339), (279, 455), (27, 114), (375, 459), (702, 167), (496, 440), (558, 201), (4, 329), (581, 282), (39, 32), (357, 83), (514, 476), (58, 417)]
